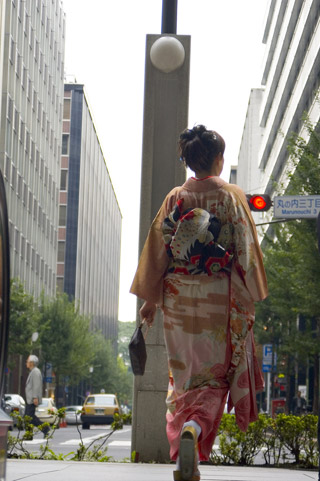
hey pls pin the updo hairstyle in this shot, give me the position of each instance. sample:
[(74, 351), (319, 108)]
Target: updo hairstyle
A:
[(199, 147)]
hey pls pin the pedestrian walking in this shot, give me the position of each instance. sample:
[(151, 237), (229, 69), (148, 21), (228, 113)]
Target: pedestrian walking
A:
[(202, 265), (34, 391), (299, 404)]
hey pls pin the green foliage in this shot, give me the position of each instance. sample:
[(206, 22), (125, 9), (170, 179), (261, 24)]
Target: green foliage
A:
[(286, 438), (65, 338), (62, 329), (23, 319), (68, 343), (125, 331), (238, 447), (298, 435), (292, 263), (95, 451)]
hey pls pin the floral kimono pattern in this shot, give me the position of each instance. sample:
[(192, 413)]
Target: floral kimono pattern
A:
[(208, 316)]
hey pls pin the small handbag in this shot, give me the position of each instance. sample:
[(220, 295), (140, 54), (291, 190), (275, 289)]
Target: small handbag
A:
[(138, 352)]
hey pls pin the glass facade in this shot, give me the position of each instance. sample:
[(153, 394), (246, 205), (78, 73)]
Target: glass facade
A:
[(32, 86), (89, 219)]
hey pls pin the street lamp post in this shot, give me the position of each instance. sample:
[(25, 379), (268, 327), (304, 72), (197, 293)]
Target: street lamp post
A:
[(169, 16), (166, 98)]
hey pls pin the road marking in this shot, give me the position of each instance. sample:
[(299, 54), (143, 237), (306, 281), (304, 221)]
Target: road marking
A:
[(126, 444), (35, 441), (120, 431), (84, 440)]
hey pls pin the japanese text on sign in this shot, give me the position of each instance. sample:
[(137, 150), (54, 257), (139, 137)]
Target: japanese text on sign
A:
[(297, 206)]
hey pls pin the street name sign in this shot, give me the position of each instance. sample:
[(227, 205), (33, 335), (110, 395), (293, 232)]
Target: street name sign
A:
[(296, 206)]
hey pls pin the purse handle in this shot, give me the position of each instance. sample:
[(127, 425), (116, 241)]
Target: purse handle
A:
[(142, 323)]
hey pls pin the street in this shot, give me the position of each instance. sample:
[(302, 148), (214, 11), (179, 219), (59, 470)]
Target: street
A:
[(66, 441)]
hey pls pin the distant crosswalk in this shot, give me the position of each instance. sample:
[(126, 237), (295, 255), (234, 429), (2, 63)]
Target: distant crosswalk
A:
[(86, 440)]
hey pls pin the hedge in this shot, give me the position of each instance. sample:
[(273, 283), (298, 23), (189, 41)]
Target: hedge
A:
[(285, 439)]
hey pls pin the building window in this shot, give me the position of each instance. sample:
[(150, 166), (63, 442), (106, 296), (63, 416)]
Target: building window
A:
[(11, 51), (63, 179), (19, 191), (37, 159), (61, 251), (24, 77), (10, 109), (28, 248), (30, 201), (13, 176), (62, 215), (16, 121), (18, 64), (39, 215), (22, 247), (67, 109), (22, 131), (33, 259), (29, 90), (35, 209), (16, 240), (27, 146), (60, 282), (41, 167), (25, 193), (65, 144), (7, 168)]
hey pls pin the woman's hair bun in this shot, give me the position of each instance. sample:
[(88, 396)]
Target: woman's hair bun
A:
[(199, 146)]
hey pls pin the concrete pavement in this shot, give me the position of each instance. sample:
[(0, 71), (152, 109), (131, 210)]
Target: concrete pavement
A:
[(35, 470)]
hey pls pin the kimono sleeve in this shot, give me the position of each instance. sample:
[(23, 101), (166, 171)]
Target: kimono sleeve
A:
[(248, 259), (153, 263)]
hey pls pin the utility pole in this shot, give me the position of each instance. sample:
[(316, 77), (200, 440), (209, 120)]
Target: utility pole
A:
[(166, 99)]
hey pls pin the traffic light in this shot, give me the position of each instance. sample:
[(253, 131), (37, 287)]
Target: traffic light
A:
[(259, 202)]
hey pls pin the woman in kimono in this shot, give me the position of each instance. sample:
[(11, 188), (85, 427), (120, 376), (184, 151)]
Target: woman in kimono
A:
[(202, 265)]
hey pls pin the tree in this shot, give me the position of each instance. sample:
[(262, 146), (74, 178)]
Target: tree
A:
[(65, 338), (23, 319), (125, 331), (292, 264)]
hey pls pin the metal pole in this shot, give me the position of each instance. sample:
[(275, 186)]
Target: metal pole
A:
[(169, 16)]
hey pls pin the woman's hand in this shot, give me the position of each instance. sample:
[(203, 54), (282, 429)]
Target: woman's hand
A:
[(147, 312)]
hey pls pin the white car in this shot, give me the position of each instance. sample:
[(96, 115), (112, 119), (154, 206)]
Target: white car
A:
[(42, 411), (73, 414)]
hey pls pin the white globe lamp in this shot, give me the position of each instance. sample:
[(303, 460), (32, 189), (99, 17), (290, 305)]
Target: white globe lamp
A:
[(167, 54)]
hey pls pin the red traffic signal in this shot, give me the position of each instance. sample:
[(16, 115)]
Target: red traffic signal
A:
[(259, 202)]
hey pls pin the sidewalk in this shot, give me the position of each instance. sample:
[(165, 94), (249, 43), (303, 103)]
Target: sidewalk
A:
[(34, 470)]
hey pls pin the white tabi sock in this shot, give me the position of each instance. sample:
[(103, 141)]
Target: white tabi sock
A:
[(198, 431)]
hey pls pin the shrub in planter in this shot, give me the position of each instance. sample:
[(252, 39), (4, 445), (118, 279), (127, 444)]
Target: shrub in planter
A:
[(237, 447)]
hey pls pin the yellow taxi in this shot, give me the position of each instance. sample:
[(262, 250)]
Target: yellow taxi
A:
[(99, 409)]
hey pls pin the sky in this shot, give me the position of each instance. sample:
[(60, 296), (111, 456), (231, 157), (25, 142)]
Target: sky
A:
[(105, 51)]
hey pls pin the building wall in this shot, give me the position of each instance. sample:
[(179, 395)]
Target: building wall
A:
[(89, 242), (30, 136), (290, 86)]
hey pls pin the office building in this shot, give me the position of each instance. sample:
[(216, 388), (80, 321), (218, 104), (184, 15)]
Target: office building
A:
[(289, 87), (32, 37), (89, 218)]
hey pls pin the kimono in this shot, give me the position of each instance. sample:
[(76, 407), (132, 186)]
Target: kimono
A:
[(208, 311)]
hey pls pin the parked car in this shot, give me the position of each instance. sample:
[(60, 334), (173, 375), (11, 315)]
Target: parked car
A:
[(99, 409), (42, 411), (73, 414), (14, 403)]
